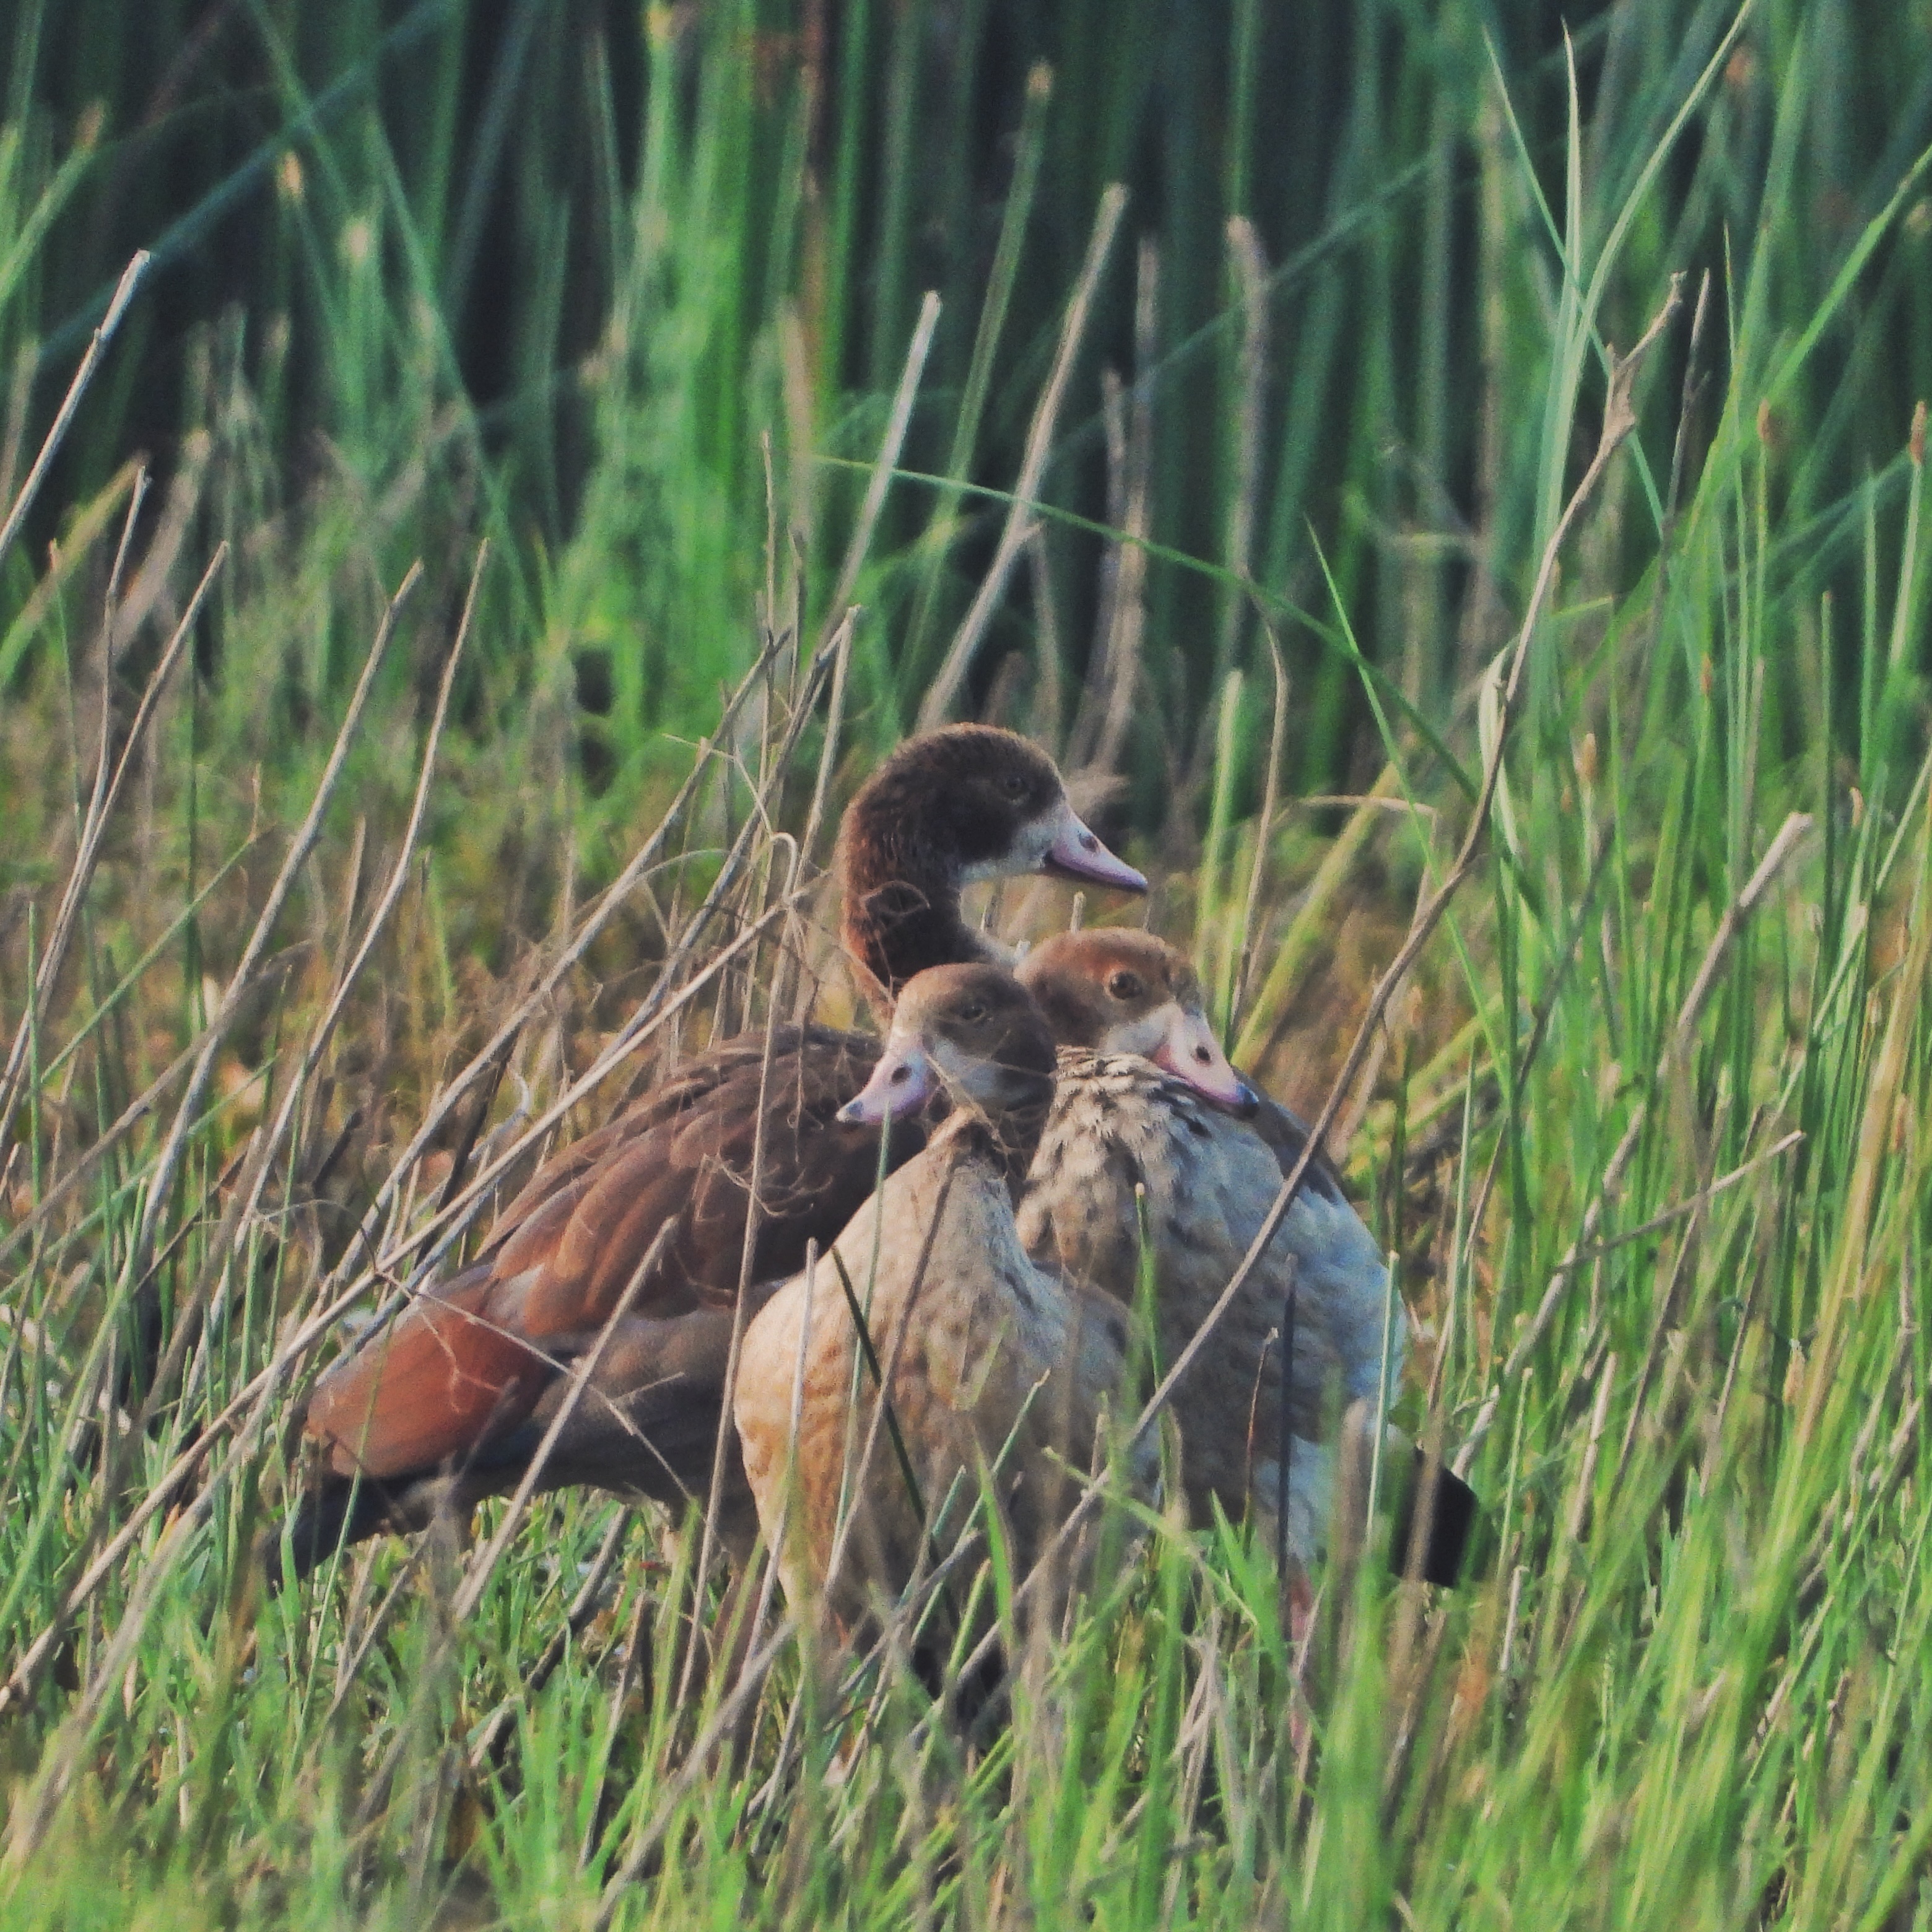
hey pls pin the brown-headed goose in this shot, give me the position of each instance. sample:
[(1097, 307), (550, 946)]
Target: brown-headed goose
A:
[(445, 1404), (992, 1361), (1211, 1165)]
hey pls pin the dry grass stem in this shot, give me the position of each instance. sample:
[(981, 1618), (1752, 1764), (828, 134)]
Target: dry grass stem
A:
[(942, 694), (97, 347)]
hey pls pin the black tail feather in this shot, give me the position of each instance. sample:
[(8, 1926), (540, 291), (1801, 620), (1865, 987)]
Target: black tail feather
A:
[(1445, 1534), (337, 1513)]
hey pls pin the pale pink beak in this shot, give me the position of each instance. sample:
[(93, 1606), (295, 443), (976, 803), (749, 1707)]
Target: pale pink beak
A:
[(1075, 853), (1190, 1052), (901, 1083)]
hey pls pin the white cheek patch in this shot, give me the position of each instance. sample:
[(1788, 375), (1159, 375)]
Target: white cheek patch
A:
[(1143, 1036), (972, 1074), (1036, 838), (1027, 854), (955, 1068)]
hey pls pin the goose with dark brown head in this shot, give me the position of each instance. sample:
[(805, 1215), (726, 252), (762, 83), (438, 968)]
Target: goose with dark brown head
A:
[(445, 1405)]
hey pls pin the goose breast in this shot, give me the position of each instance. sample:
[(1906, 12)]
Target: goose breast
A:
[(1133, 1165), (996, 1370)]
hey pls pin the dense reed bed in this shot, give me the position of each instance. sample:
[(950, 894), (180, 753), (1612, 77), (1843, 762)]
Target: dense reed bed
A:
[(392, 779)]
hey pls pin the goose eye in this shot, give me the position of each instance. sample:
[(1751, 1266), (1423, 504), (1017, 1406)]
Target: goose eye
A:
[(972, 1013), (1012, 784), (1124, 985)]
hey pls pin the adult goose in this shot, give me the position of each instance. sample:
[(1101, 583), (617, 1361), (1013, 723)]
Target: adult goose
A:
[(445, 1405), (1123, 1123), (992, 1362)]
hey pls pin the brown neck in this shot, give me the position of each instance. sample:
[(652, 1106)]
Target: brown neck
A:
[(901, 910), (1018, 1136), (1010, 1137)]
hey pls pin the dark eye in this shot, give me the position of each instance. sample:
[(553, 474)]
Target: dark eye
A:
[(1125, 985), (1013, 785), (973, 1013)]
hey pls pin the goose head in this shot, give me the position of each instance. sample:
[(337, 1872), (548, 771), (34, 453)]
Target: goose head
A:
[(988, 803), (945, 810), (972, 1032), (1125, 991)]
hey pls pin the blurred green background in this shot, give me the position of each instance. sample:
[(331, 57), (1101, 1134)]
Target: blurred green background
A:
[(550, 272)]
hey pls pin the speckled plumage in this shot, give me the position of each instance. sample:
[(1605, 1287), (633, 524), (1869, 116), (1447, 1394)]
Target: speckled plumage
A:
[(1117, 1120), (989, 1356)]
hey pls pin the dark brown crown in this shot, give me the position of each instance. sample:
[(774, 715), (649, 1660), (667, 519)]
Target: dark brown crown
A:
[(942, 807), (993, 1025), (1086, 982)]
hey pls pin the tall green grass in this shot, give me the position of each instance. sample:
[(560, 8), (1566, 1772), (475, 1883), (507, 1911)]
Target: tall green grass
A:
[(1646, 1132), (553, 274)]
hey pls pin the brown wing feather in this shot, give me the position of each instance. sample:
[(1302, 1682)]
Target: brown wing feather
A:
[(452, 1374), (532, 1242), (1286, 1134), (557, 1173), (440, 1378), (687, 1086)]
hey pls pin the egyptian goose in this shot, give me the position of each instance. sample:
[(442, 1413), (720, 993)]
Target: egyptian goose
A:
[(1123, 1122), (445, 1405), (993, 1362)]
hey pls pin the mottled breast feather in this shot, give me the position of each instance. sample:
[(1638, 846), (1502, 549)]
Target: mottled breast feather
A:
[(993, 1362), (1120, 1124)]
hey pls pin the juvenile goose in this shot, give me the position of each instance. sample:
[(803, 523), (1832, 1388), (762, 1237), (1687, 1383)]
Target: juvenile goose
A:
[(990, 1358), (1119, 1122), (445, 1404)]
